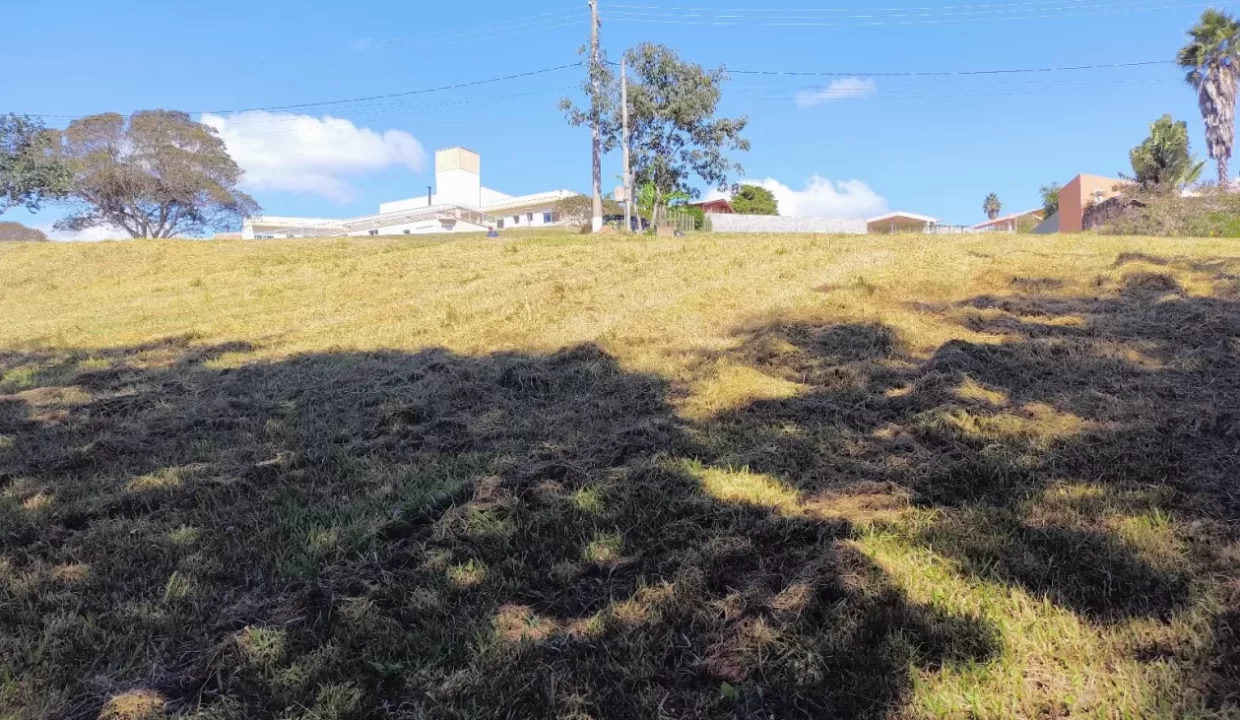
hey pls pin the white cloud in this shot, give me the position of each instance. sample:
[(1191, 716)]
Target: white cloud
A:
[(849, 88), (95, 234), (307, 154), (821, 198)]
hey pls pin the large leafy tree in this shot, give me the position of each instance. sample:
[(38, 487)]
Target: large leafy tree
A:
[(30, 172), (156, 174), (755, 200), (673, 129), (1050, 198), (992, 206), (1212, 61), (1163, 159)]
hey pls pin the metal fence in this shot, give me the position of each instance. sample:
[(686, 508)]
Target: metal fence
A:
[(682, 220), (780, 224), (966, 230), (951, 230)]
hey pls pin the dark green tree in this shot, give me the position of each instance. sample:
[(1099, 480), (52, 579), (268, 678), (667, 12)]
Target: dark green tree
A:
[(1212, 59), (156, 174), (673, 129), (755, 200), (1050, 198), (30, 172), (1163, 159), (698, 215)]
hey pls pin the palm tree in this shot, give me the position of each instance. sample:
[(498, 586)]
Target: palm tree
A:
[(1212, 59), (991, 206)]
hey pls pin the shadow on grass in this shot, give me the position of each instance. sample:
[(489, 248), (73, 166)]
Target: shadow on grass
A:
[(432, 535), (1057, 449)]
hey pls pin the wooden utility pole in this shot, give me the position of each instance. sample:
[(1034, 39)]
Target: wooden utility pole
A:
[(624, 139), (596, 109)]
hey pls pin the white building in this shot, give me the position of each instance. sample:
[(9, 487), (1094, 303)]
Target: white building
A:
[(459, 204)]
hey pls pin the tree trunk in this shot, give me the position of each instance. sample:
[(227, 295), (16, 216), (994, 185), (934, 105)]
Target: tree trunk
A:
[(597, 182), (1222, 171)]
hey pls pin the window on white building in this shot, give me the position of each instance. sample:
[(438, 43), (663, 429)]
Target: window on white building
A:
[(374, 232), (529, 217), (516, 219), (406, 231), (548, 218), (499, 222)]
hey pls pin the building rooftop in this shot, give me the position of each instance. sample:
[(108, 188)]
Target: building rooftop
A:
[(1010, 218), (901, 215)]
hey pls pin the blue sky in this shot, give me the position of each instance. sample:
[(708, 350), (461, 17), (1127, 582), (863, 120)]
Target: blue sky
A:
[(934, 145)]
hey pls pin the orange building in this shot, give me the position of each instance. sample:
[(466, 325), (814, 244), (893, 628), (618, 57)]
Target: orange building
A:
[(1082, 192)]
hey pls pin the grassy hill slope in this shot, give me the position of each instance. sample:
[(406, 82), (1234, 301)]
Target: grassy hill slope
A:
[(941, 477)]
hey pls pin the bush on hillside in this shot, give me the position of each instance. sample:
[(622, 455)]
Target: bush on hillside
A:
[(15, 231), (579, 209), (1211, 212)]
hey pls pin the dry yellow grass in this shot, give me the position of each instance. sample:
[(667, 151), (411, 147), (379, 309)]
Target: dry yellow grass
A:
[(653, 304), (789, 476)]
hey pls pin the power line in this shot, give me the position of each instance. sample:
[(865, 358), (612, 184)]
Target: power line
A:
[(516, 26), (488, 27), (999, 82), (892, 20), (861, 21), (942, 73), (490, 34), (739, 18), (388, 96), (809, 96), (960, 73), (427, 110), (1023, 3), (345, 112), (406, 93), (935, 89)]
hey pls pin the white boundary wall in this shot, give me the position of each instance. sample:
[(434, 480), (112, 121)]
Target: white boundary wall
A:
[(780, 224)]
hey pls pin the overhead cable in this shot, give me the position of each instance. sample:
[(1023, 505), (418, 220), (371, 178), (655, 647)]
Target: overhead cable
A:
[(941, 73), (368, 98), (890, 20)]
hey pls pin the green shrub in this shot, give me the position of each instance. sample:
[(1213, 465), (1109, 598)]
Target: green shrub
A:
[(699, 216), (1210, 213)]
